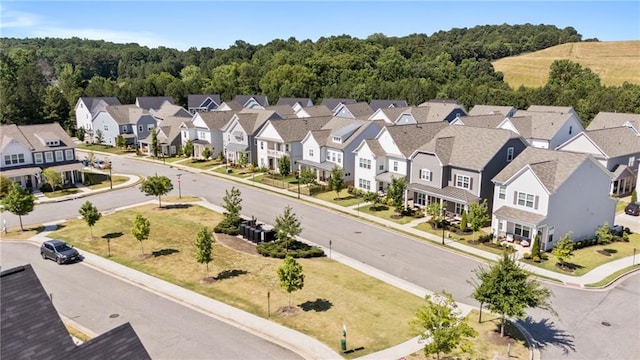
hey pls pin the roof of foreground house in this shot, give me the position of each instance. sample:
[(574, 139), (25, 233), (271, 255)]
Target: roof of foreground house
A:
[(614, 142), (387, 104), (95, 104), (296, 129), (216, 120), (488, 121), (539, 125), (410, 137), (125, 114), (152, 102), (35, 136), (304, 102), (608, 119), (197, 100)]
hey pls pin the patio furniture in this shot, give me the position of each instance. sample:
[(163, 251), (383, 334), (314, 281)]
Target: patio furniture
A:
[(509, 237)]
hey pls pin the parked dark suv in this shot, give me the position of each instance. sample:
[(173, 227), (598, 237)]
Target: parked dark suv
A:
[(633, 209), (59, 251)]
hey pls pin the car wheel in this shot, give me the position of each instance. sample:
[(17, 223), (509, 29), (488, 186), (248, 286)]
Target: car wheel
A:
[(59, 261), (43, 255)]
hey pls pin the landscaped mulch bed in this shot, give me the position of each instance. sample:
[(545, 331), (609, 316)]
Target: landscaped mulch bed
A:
[(236, 243)]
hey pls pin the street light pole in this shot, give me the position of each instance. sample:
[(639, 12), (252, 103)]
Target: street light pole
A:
[(442, 224), (179, 188), (110, 178)]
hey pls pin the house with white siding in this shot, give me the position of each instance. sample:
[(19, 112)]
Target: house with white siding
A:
[(386, 156), (87, 107), (334, 145), (551, 193), (238, 135), (207, 132), (541, 129), (353, 111)]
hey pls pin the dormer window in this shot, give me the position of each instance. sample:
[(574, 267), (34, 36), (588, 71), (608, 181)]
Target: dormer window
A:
[(337, 139)]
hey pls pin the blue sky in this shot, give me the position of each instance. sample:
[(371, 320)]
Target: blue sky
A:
[(218, 24)]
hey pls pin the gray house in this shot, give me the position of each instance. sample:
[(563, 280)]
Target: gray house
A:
[(130, 121), (457, 165), (203, 102)]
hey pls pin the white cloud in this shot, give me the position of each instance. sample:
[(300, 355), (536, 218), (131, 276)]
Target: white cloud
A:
[(17, 19)]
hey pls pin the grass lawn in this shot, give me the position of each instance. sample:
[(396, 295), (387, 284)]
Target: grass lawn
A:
[(613, 276), (620, 205), (201, 164), (236, 171), (63, 192), (101, 148), (389, 214), (488, 344), (377, 314), (101, 181), (14, 233), (183, 199), (343, 199), (588, 258)]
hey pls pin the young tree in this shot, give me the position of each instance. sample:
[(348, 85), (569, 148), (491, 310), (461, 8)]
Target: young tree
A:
[(307, 176), (483, 288), (563, 249), (284, 166), (336, 180), (156, 186), (243, 160), (464, 222), (188, 148), (535, 247), (91, 156), (291, 276), (232, 206), (90, 214), (206, 153), (395, 192), (154, 143), (204, 246), (53, 178), (287, 227), (478, 216), (512, 290), (5, 186), (436, 212), (140, 230), (19, 201), (441, 321), (603, 234), (372, 196), (99, 138), (80, 133), (120, 141)]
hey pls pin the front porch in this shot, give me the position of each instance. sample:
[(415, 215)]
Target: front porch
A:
[(322, 170), (520, 227), (454, 200), (623, 181)]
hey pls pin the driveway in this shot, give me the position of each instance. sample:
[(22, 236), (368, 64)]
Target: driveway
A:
[(632, 222)]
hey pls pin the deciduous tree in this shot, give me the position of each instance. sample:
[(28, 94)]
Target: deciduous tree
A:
[(478, 216), (232, 204), (604, 234), (284, 166), (336, 180), (287, 226), (440, 321), (204, 247), (18, 201), (141, 229), (154, 142), (206, 153), (156, 186), (563, 249), (396, 191), (52, 177), (90, 214), (291, 276)]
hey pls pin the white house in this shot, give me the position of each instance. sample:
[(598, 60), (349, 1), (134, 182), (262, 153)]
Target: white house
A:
[(239, 134), (207, 128), (545, 130), (87, 108), (551, 193), (386, 156)]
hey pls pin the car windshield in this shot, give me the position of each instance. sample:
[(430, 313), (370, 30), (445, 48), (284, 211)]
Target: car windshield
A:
[(62, 247)]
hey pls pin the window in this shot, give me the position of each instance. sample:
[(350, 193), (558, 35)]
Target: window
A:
[(632, 160), (509, 153), (381, 167), (459, 209), (261, 145), (38, 158), (310, 152), (395, 166), (502, 192), (364, 184), (463, 181), (124, 129), (48, 156), (150, 127), (140, 128), (364, 163), (106, 127), (201, 135), (418, 198), (333, 157), (328, 156), (59, 156), (522, 230), (425, 174), (527, 200), (339, 158), (286, 147), (14, 159), (68, 154), (570, 129)]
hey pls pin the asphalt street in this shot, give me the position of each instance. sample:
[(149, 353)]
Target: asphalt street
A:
[(425, 264), (100, 302)]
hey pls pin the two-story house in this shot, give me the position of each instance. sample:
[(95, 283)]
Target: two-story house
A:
[(604, 120), (551, 193), (616, 148), (545, 130), (280, 138), (238, 135), (386, 156), (152, 103), (29, 149), (256, 102), (455, 168), (207, 132), (353, 111), (130, 121), (86, 109), (333, 103), (203, 102), (443, 110), (334, 145), (410, 115)]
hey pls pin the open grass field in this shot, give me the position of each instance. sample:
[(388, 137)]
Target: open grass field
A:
[(375, 313), (614, 61), (344, 199), (15, 233)]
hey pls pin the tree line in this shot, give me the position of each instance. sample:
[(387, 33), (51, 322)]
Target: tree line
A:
[(43, 78)]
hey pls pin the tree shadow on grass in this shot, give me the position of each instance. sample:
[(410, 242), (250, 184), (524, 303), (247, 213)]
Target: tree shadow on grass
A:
[(569, 266), (545, 333), (228, 274), (177, 206), (112, 235), (164, 252), (318, 305)]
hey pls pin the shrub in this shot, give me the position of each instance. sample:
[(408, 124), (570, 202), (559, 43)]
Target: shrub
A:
[(536, 258), (526, 255), (229, 170), (46, 187), (485, 238), (297, 249)]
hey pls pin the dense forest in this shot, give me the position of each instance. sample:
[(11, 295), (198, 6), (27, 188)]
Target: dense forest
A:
[(43, 78)]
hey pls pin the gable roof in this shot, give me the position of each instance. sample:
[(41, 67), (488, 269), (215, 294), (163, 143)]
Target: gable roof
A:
[(291, 130), (285, 111), (243, 99), (540, 125), (357, 110), (552, 167), (318, 110), (95, 104), (487, 121), (491, 110), (410, 137), (31, 327), (152, 102), (439, 110), (197, 100), (386, 104), (614, 142), (215, 120), (332, 103), (375, 147), (252, 120), (549, 108), (347, 129), (466, 146), (168, 109), (608, 119), (125, 114), (232, 105), (35, 136), (12, 132), (304, 102)]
